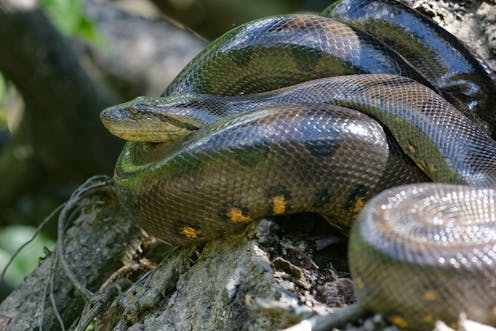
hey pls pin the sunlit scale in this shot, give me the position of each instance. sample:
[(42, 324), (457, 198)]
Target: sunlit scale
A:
[(438, 232), (441, 219)]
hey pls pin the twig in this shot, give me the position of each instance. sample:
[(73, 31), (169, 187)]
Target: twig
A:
[(97, 308), (36, 232), (86, 188), (67, 213), (333, 320), (52, 297)]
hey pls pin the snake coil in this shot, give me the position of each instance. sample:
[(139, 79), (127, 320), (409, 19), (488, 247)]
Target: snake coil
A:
[(307, 113)]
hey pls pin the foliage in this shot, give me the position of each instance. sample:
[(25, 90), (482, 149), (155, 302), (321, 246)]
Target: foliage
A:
[(68, 16), (3, 92), (11, 238)]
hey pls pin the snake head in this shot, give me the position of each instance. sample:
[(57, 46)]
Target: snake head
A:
[(147, 119)]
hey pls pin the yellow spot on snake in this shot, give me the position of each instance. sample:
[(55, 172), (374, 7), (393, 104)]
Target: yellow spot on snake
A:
[(236, 216), (398, 321), (411, 148), (431, 167), (358, 205), (190, 232), (278, 205), (359, 282), (428, 319), (421, 166), (430, 295), (455, 325)]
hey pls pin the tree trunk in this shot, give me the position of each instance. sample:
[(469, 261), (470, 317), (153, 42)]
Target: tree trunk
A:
[(59, 139)]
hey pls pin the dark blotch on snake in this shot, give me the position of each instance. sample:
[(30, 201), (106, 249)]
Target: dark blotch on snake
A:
[(323, 143), (322, 197), (358, 194), (306, 58), (278, 190)]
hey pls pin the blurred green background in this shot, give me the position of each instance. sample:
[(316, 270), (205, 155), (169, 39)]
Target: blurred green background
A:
[(69, 18)]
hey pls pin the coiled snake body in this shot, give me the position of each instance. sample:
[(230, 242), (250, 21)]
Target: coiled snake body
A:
[(328, 145)]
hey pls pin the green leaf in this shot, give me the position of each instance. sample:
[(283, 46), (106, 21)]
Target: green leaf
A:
[(68, 16), (11, 238), (3, 93)]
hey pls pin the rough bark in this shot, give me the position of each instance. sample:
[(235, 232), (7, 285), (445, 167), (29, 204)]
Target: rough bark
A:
[(471, 21), (96, 244), (256, 280)]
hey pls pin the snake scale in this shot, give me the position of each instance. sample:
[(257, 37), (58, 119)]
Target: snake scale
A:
[(349, 116)]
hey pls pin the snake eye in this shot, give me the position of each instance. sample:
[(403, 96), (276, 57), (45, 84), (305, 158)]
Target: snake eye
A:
[(134, 113)]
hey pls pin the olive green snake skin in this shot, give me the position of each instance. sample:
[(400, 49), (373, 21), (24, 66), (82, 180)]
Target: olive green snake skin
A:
[(304, 113)]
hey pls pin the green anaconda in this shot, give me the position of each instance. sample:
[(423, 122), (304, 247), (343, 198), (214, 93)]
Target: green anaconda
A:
[(302, 113)]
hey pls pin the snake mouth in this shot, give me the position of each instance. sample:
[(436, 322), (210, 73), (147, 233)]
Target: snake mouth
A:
[(153, 129), (180, 122), (163, 134)]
